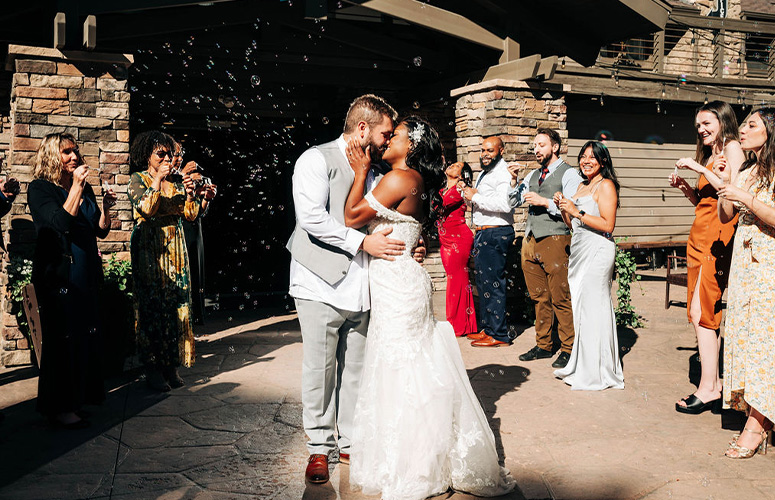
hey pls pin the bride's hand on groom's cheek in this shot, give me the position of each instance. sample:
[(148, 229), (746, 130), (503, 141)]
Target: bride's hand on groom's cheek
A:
[(360, 160), (380, 246)]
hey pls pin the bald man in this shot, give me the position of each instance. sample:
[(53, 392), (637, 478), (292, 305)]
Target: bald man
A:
[(493, 219)]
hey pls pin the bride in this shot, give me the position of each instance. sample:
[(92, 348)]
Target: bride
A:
[(418, 427)]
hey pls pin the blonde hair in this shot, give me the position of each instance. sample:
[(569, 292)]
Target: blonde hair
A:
[(48, 162)]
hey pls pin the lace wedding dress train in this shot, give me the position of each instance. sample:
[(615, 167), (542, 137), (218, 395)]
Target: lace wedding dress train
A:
[(418, 427)]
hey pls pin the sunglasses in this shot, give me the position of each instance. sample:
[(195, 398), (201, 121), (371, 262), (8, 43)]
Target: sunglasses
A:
[(161, 154)]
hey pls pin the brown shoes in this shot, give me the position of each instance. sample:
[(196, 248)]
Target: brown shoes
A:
[(477, 336), (317, 469), (488, 341), (344, 458)]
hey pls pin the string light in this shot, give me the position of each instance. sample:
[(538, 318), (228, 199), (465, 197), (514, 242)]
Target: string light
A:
[(659, 107), (663, 91), (602, 103), (562, 64), (706, 97)]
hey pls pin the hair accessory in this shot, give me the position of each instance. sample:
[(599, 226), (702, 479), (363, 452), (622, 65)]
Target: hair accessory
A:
[(416, 133)]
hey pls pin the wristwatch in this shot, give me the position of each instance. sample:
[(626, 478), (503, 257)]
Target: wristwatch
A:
[(581, 214)]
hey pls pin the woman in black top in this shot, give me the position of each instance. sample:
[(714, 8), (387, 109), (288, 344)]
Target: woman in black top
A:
[(66, 272)]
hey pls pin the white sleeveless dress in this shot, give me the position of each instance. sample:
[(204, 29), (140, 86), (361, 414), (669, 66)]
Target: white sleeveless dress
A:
[(594, 362), (419, 429)]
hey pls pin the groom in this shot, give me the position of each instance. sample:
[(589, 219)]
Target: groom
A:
[(329, 281)]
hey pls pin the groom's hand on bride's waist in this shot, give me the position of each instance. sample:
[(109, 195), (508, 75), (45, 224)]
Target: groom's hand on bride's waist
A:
[(380, 246)]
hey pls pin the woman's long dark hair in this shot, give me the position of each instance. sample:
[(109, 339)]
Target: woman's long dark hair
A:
[(603, 157), (765, 161), (728, 128), (426, 156)]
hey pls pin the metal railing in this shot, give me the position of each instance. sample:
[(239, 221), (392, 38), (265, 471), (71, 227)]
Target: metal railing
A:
[(681, 50)]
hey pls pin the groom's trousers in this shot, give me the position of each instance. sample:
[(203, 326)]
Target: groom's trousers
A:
[(334, 344)]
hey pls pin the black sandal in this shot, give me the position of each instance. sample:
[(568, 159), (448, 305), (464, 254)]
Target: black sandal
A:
[(695, 406)]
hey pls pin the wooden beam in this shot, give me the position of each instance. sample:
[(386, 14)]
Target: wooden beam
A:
[(521, 69), (510, 51), (656, 12), (437, 19), (715, 23)]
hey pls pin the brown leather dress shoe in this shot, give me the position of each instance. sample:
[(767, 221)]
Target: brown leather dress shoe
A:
[(344, 458), (477, 336), (317, 469), (488, 341)]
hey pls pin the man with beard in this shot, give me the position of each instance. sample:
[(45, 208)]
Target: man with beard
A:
[(493, 218), (546, 246), (329, 281)]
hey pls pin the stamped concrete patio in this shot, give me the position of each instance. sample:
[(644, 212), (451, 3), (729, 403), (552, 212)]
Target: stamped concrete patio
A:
[(234, 432)]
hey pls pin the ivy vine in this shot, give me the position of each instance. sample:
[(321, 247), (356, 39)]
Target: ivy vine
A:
[(625, 272)]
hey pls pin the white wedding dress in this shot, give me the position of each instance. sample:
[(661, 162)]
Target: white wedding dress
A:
[(418, 427)]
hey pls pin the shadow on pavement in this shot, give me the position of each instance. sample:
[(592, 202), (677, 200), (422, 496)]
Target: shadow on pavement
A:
[(627, 339), (29, 442), (490, 383)]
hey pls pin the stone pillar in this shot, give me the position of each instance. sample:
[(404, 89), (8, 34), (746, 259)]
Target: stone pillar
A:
[(81, 93), (512, 110)]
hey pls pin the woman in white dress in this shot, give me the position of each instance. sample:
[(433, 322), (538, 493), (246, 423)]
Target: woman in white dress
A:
[(419, 429), (594, 361)]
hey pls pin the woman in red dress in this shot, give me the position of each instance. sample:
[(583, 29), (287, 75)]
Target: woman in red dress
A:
[(456, 241)]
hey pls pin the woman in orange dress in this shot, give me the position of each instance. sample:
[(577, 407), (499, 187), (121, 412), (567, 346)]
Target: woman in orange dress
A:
[(709, 248), (456, 242)]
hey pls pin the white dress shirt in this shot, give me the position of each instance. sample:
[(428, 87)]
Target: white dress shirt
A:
[(490, 204), (310, 196), (571, 180)]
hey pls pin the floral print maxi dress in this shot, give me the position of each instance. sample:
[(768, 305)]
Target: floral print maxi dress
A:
[(160, 270), (749, 336)]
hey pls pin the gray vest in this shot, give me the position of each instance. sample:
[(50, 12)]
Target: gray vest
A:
[(328, 262), (539, 221)]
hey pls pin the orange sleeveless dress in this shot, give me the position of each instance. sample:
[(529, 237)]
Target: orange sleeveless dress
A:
[(709, 254)]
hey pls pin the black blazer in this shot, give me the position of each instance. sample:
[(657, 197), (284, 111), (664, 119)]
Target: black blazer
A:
[(53, 256)]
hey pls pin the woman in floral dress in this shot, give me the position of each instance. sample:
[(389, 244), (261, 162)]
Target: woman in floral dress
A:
[(160, 267), (749, 337)]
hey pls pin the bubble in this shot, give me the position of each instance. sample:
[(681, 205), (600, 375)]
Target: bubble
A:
[(416, 105), (414, 191), (325, 120), (469, 311), (306, 58), (231, 349), (255, 80), (495, 284), (417, 61), (486, 295), (63, 291)]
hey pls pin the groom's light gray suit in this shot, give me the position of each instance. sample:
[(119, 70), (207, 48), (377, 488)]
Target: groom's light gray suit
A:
[(329, 282)]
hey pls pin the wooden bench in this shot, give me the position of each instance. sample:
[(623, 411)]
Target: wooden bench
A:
[(673, 277)]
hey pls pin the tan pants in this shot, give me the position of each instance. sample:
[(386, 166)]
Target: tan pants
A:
[(545, 265)]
